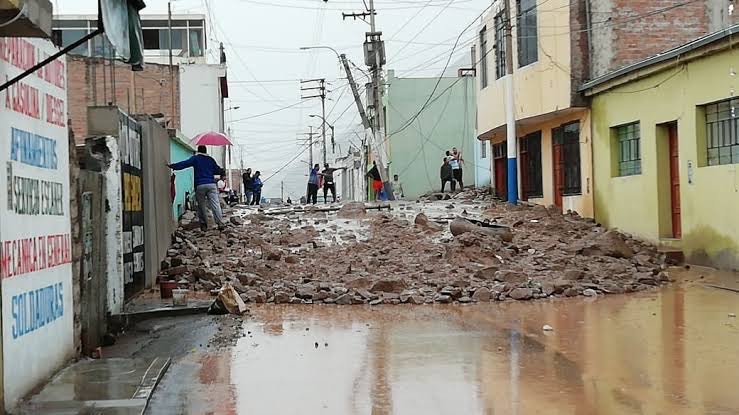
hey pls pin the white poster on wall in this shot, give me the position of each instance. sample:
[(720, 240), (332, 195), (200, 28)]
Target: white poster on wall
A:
[(35, 240)]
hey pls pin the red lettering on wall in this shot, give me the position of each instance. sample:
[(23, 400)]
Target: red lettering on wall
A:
[(18, 52), (24, 99), (55, 111), (28, 255)]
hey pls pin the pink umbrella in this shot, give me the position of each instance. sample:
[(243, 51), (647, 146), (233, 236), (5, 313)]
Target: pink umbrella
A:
[(211, 139)]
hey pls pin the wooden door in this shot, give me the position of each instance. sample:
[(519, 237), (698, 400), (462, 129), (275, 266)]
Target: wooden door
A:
[(525, 171), (675, 182), (501, 178), (559, 174)]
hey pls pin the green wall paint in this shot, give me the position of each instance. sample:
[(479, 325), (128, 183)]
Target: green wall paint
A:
[(184, 178), (448, 121)]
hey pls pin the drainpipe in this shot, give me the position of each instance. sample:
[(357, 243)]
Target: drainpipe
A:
[(588, 26)]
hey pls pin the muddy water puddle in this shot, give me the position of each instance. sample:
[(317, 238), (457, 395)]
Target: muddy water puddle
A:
[(670, 351)]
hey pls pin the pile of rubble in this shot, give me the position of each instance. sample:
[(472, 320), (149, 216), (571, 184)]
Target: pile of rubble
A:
[(355, 257)]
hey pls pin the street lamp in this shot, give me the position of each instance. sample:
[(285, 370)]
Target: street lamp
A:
[(333, 143), (321, 47), (232, 108)]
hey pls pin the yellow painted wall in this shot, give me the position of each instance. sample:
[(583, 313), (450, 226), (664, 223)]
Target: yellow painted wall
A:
[(710, 205), (583, 203), (539, 88)]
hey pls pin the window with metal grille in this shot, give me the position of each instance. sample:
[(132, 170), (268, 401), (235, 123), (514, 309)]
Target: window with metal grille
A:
[(722, 132), (628, 139), (568, 136), (531, 166), (483, 58), (499, 151), (484, 149), (500, 63), (528, 41)]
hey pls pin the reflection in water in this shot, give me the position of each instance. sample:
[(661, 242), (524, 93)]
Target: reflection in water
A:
[(663, 352)]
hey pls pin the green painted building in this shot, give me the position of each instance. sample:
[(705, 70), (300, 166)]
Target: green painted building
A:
[(417, 148), (181, 149)]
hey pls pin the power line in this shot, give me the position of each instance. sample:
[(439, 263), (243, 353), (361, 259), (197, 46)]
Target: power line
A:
[(266, 113)]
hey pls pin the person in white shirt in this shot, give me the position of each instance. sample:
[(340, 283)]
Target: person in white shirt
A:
[(398, 192), (457, 162)]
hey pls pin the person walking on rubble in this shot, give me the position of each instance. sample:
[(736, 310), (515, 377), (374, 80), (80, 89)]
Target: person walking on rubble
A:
[(206, 190)]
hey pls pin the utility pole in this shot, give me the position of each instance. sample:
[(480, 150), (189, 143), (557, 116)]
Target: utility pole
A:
[(310, 156), (355, 91), (321, 88), (374, 56), (282, 190), (511, 143), (171, 64)]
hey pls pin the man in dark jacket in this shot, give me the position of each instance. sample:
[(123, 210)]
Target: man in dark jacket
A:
[(248, 186), (446, 175), (206, 190)]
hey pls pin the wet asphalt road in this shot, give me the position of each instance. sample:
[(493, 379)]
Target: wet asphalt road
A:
[(671, 351)]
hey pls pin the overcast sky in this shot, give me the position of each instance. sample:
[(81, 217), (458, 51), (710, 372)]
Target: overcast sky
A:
[(262, 40)]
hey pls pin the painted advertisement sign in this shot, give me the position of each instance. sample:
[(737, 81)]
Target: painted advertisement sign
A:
[(133, 205), (35, 241)]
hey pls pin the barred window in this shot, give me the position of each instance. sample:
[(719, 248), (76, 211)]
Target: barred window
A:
[(531, 174), (483, 149), (722, 132), (628, 138), (528, 41), (500, 52), (568, 136)]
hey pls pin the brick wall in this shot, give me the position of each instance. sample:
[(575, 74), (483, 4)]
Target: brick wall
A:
[(628, 31), (146, 92)]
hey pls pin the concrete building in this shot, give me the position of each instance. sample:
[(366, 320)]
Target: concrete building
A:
[(39, 290), (204, 88), (556, 46), (417, 149), (351, 182), (94, 82), (666, 149), (189, 37)]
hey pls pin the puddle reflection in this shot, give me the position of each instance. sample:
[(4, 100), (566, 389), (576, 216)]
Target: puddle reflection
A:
[(669, 351)]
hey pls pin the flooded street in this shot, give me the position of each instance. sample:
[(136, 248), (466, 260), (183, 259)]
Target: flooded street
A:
[(669, 351)]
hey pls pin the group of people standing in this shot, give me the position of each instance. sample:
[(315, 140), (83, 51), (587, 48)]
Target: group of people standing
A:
[(252, 187), (322, 179), (451, 170)]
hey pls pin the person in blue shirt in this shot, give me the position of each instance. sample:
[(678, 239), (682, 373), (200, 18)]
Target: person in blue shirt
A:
[(256, 188), (206, 190), (313, 182)]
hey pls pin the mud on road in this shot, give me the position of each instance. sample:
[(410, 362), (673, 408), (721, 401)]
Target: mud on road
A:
[(408, 255)]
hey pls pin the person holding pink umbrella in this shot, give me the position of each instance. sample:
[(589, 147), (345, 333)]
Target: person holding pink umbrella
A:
[(206, 190)]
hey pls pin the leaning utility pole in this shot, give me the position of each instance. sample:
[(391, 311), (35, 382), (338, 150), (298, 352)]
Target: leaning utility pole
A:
[(511, 143), (321, 94), (374, 56)]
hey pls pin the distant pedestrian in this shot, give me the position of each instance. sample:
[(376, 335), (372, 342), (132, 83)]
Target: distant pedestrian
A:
[(248, 186), (374, 174), (398, 191), (289, 201), (457, 163), (257, 188), (446, 175), (206, 190), (328, 182), (313, 184)]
